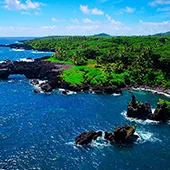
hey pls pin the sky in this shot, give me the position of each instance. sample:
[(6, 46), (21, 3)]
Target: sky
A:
[(83, 17)]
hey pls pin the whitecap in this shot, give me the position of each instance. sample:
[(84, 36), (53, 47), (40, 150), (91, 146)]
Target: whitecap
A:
[(42, 81), (139, 121), (152, 91), (68, 93), (10, 81), (100, 143), (116, 94), (19, 50), (26, 60), (145, 137), (38, 52), (37, 86)]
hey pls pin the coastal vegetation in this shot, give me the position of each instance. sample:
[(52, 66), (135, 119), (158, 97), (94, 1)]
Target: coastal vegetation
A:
[(110, 61)]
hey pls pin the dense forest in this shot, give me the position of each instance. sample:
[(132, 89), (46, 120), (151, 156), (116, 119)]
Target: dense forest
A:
[(111, 61)]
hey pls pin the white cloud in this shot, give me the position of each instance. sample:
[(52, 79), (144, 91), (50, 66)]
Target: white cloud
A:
[(164, 23), (85, 9), (28, 13), (112, 21), (25, 13), (37, 13), (150, 28), (141, 28), (87, 21), (159, 2), (58, 20), (83, 27), (53, 19), (96, 11), (48, 27), (18, 5), (126, 10), (129, 10), (75, 21)]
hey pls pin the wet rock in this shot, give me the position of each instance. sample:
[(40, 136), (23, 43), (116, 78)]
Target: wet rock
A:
[(111, 90), (46, 87), (98, 90), (87, 137), (34, 82), (109, 136), (36, 91), (65, 92), (106, 90), (162, 111), (138, 110), (38, 69), (85, 88), (122, 134)]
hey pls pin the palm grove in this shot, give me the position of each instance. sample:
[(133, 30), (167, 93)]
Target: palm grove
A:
[(111, 61)]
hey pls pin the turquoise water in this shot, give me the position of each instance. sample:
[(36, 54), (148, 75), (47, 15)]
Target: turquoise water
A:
[(38, 131)]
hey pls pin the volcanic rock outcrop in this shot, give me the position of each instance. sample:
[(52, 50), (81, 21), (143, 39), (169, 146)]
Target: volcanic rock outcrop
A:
[(121, 135), (162, 111), (138, 110), (37, 69)]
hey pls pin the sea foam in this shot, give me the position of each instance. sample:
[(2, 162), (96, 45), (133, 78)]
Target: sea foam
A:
[(68, 93), (18, 50), (26, 60), (138, 121), (116, 94), (146, 137)]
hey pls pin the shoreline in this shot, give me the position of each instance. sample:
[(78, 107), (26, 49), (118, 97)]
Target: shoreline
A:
[(25, 47), (155, 90)]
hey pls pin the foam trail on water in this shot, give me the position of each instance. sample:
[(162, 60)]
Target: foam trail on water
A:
[(38, 52), (116, 94), (146, 137), (17, 49), (100, 142), (138, 121), (10, 81), (68, 93), (152, 91)]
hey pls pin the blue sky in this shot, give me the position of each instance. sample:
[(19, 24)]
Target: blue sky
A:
[(82, 17)]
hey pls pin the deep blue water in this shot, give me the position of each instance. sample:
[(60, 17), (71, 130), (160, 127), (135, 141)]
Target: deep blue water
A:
[(13, 54), (38, 131)]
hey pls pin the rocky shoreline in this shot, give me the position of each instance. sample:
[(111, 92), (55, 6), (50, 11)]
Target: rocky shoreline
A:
[(154, 89), (96, 89), (25, 47), (49, 72)]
